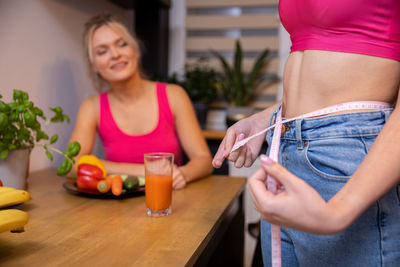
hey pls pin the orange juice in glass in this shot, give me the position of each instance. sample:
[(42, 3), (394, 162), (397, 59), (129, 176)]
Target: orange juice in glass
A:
[(158, 183)]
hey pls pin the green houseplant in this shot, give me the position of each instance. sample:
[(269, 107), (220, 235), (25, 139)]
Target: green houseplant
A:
[(201, 83), (239, 87), (21, 129)]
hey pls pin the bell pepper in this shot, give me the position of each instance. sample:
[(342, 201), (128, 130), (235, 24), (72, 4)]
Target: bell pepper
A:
[(90, 170), (87, 183), (92, 160)]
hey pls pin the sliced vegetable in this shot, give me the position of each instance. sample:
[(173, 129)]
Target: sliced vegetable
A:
[(93, 171), (131, 183), (124, 176), (103, 186), (141, 181)]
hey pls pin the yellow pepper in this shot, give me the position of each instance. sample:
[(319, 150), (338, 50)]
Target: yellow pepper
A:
[(92, 160)]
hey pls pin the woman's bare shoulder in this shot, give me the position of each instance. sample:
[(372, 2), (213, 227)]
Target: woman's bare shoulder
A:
[(90, 101), (90, 107), (176, 92)]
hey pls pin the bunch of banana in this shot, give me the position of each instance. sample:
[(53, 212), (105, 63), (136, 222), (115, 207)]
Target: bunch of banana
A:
[(12, 219)]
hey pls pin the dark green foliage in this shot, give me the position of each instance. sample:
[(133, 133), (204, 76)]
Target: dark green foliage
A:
[(238, 87), (20, 127), (199, 81)]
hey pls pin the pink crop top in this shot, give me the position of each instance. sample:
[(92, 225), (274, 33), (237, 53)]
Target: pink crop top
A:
[(370, 27), (121, 147)]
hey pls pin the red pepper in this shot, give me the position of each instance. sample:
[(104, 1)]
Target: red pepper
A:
[(87, 183), (90, 170)]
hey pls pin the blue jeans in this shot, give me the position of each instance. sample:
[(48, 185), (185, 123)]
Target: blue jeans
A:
[(325, 152)]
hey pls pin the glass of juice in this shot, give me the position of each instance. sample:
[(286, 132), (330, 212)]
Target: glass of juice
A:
[(158, 183)]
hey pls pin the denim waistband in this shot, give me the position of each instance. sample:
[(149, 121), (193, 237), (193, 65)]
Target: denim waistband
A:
[(336, 125)]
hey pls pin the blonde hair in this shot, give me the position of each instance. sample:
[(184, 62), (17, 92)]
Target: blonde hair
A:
[(115, 24)]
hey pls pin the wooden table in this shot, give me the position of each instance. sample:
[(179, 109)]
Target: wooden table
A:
[(205, 228), (214, 135)]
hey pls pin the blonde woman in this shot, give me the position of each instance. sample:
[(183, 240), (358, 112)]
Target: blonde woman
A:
[(133, 115)]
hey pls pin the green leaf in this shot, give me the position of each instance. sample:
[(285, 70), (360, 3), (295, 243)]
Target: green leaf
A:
[(54, 139), (3, 120), (25, 95), (3, 107), (20, 108), (29, 118), (259, 64), (64, 168), (41, 135), (12, 147), (56, 109), (49, 155), (38, 112), (28, 104), (3, 154), (225, 65), (58, 116), (73, 149), (16, 94), (66, 118)]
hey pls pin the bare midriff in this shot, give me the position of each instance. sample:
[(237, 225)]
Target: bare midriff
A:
[(314, 79)]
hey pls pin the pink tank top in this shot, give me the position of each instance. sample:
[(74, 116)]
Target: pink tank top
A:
[(121, 147), (370, 27)]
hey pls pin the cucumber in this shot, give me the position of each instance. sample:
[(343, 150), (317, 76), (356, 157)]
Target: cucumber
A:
[(141, 181), (131, 183), (124, 176)]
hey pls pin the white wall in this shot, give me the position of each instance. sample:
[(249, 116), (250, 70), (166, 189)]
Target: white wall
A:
[(41, 52)]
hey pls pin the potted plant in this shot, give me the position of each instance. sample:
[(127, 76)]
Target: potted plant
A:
[(239, 87), (201, 83), (20, 131)]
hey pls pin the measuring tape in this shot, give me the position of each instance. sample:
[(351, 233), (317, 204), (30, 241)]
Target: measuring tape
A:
[(324, 111), (274, 151)]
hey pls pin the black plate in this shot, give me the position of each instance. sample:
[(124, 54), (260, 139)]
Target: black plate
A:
[(70, 186)]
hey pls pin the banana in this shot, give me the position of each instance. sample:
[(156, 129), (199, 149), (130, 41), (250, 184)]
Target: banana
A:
[(11, 196), (6, 189), (13, 220)]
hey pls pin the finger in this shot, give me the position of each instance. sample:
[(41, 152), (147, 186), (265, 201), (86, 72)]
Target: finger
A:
[(233, 156), (258, 190), (249, 157), (231, 139), (279, 173), (180, 183), (176, 181), (219, 155), (241, 158)]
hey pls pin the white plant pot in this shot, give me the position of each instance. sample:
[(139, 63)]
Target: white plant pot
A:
[(234, 114), (14, 169)]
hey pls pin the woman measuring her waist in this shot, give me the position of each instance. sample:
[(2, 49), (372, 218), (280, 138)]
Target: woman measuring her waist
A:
[(314, 79), (338, 174)]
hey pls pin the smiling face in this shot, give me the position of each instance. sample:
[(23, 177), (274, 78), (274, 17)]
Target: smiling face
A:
[(112, 56)]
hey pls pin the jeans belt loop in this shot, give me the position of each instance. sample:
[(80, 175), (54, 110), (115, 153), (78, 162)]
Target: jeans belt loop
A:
[(387, 114), (298, 133)]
